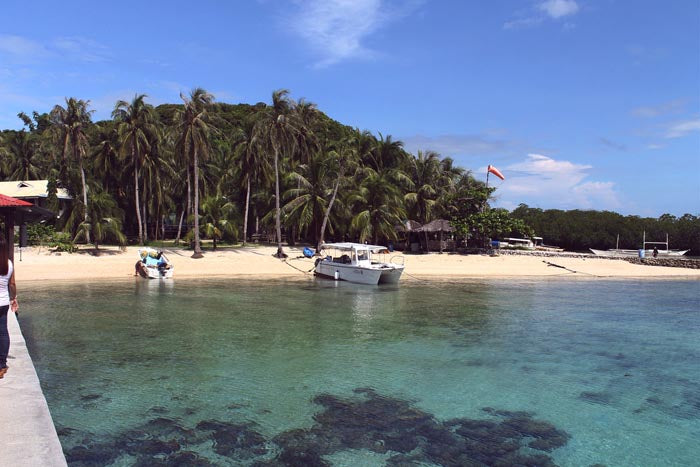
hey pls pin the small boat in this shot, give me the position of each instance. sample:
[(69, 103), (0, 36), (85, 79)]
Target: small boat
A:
[(540, 246), (153, 264), (643, 252), (535, 243), (355, 264)]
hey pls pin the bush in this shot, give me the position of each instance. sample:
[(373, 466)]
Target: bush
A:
[(62, 241), (40, 234)]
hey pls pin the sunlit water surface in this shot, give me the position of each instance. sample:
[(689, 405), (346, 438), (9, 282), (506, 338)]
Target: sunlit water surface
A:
[(232, 372)]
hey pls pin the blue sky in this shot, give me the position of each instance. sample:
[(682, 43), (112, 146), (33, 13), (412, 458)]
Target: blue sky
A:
[(581, 104)]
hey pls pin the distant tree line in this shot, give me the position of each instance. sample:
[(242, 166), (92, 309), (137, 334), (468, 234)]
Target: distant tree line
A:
[(579, 230)]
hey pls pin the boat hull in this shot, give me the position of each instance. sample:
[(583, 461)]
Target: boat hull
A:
[(148, 272), (391, 275), (346, 272), (635, 253)]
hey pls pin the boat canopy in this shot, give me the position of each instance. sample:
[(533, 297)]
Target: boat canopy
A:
[(348, 246)]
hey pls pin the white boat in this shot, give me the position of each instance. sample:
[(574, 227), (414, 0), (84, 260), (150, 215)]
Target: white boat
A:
[(153, 264), (540, 246), (535, 243), (354, 264), (644, 252), (648, 253)]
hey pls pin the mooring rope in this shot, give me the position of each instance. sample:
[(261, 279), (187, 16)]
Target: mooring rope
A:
[(548, 263), (300, 270)]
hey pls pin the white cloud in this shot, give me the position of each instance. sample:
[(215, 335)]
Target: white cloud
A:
[(543, 10), (81, 49), (336, 29), (23, 50), (680, 129), (20, 46), (540, 180), (454, 145), (558, 8), (665, 108)]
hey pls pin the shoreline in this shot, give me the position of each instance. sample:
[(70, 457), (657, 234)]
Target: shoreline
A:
[(256, 261)]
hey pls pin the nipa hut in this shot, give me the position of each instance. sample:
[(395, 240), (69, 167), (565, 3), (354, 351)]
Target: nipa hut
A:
[(438, 235), (408, 235)]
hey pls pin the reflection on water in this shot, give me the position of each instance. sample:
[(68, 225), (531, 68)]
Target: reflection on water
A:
[(312, 372)]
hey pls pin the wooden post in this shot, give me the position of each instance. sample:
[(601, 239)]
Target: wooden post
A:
[(10, 233)]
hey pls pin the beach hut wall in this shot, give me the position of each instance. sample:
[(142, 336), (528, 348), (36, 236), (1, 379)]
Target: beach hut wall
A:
[(438, 225)]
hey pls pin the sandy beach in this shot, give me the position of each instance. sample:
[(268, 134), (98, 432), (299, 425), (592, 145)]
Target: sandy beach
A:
[(40, 264)]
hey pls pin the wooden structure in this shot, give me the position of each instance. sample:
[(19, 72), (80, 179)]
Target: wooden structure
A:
[(408, 234), (439, 227), (17, 212)]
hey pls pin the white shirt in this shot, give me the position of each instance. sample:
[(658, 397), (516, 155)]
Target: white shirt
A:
[(4, 282)]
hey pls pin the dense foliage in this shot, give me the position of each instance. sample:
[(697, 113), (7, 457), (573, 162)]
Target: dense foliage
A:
[(283, 171), (579, 230)]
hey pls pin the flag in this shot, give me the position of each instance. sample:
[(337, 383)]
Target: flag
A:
[(496, 172)]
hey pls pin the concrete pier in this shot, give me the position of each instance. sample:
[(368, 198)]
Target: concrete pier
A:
[(27, 435)]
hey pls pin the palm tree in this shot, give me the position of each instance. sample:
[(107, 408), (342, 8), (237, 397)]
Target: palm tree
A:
[(425, 174), (23, 152), (193, 129), (218, 215), (70, 126), (308, 199), (380, 206), (342, 160), (276, 131), (251, 164), (106, 220), (136, 129)]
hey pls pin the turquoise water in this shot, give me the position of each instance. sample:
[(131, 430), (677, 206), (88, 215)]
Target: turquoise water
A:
[(231, 372)]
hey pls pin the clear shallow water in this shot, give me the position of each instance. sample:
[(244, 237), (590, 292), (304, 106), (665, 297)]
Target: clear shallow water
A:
[(239, 372)]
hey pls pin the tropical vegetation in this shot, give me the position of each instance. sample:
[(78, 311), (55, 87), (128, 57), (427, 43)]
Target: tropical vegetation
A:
[(283, 171)]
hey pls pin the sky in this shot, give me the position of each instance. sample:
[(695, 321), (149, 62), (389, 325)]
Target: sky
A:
[(581, 104)]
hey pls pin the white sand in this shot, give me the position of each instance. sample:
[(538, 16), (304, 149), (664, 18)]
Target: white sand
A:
[(257, 261)]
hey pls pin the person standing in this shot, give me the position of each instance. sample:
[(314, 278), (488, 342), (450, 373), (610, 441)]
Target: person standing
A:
[(8, 301)]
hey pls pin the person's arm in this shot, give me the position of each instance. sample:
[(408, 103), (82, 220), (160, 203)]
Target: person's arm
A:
[(12, 288)]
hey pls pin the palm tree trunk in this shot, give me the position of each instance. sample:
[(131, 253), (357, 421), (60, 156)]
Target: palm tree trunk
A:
[(145, 222), (278, 223), (179, 227), (137, 199), (197, 246), (86, 217), (327, 214), (245, 218)]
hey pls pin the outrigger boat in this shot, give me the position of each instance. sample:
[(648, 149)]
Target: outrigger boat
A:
[(153, 264), (644, 252), (355, 264)]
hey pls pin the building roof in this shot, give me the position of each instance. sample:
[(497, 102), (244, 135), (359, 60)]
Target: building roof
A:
[(437, 226), (409, 226), (8, 201), (30, 189)]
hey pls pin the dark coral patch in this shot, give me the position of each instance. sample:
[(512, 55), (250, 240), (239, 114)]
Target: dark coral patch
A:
[(368, 420)]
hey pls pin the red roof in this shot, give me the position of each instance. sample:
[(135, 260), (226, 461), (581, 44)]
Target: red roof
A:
[(8, 201)]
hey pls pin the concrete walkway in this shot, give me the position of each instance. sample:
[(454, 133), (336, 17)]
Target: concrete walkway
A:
[(27, 435)]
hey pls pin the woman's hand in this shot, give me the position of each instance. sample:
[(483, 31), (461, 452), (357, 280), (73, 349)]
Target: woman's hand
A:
[(14, 306)]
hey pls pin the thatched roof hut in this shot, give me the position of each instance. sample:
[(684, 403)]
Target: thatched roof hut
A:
[(409, 226), (438, 225)]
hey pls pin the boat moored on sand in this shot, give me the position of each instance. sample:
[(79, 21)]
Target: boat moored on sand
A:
[(643, 252), (153, 264), (354, 263)]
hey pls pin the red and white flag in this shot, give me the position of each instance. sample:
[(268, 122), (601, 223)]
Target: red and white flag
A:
[(496, 172)]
